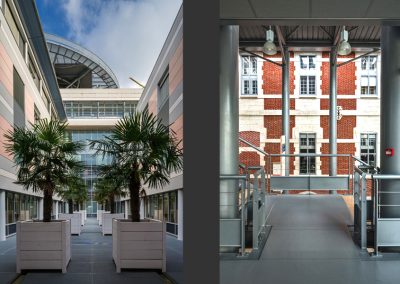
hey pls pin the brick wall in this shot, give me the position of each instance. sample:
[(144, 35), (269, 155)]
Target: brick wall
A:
[(276, 104), (273, 124), (346, 104), (342, 162), (251, 136), (249, 158), (272, 78), (345, 126)]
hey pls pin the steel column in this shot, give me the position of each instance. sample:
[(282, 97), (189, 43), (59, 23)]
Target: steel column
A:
[(390, 118), (2, 215), (180, 214), (229, 122), (332, 113), (286, 106)]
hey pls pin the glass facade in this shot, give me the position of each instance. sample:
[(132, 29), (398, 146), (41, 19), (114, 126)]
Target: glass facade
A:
[(163, 207), (98, 109), (91, 162), (20, 207)]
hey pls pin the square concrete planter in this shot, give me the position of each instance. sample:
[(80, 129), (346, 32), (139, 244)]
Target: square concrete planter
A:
[(101, 217), (98, 214), (84, 214), (107, 222), (75, 218), (82, 222), (43, 245), (139, 245)]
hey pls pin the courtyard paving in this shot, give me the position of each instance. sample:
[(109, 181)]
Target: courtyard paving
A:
[(91, 262)]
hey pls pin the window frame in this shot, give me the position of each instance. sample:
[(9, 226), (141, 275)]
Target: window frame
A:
[(250, 75)]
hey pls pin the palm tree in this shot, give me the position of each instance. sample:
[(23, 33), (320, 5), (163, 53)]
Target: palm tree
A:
[(74, 192), (111, 184), (144, 150), (45, 158)]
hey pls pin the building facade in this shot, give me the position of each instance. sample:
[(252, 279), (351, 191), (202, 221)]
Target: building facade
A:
[(163, 95), (358, 102), (28, 92)]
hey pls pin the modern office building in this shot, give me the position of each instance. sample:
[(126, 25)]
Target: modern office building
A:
[(93, 104), (163, 95), (46, 76), (28, 91)]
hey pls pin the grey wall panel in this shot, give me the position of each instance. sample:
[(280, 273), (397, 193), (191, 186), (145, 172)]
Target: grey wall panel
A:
[(7, 165), (176, 93), (6, 95), (178, 111)]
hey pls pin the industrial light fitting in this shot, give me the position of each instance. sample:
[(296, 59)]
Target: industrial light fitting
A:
[(269, 46), (344, 46)]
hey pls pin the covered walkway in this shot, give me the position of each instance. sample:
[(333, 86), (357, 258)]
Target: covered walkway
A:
[(91, 262), (310, 243)]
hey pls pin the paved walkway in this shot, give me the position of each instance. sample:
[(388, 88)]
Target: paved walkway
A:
[(91, 262), (310, 243)]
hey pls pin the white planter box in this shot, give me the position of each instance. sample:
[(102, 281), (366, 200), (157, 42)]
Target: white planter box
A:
[(98, 214), (139, 245), (75, 221), (43, 245), (82, 222), (84, 215), (107, 222), (101, 217)]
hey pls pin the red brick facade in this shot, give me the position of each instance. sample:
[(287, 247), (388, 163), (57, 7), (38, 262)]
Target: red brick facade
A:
[(272, 86)]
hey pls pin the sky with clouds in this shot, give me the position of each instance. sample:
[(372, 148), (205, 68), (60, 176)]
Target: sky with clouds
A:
[(127, 34)]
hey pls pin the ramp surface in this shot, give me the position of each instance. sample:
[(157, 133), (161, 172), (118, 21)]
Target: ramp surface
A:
[(309, 243)]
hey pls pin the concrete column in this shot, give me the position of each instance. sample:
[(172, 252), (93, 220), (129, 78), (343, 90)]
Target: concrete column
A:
[(2, 215), (332, 114), (56, 210), (180, 214), (142, 213), (390, 117), (41, 208), (229, 119), (126, 209), (286, 106)]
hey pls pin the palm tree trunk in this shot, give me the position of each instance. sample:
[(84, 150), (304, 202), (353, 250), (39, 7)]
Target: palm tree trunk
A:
[(134, 188), (47, 204), (112, 203)]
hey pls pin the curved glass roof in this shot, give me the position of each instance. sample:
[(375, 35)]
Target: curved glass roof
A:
[(74, 63)]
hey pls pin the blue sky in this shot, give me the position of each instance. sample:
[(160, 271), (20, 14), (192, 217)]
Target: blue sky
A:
[(127, 34)]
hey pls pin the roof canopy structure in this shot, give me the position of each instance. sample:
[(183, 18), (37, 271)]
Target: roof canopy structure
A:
[(77, 67), (310, 36)]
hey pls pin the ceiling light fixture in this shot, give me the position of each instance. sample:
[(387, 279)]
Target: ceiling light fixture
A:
[(269, 46), (344, 46)]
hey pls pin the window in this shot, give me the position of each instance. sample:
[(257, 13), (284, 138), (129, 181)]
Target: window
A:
[(307, 62), (163, 99), (19, 100), (249, 75), (368, 148), (14, 29), (308, 74), (33, 71), (369, 75), (36, 114), (307, 85), (368, 63), (307, 146)]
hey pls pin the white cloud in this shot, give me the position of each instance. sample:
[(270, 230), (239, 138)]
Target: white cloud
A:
[(127, 35)]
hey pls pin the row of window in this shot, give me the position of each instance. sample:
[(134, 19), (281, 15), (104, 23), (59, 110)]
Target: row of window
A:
[(307, 146), (32, 67), (98, 109), (308, 75), (162, 207)]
